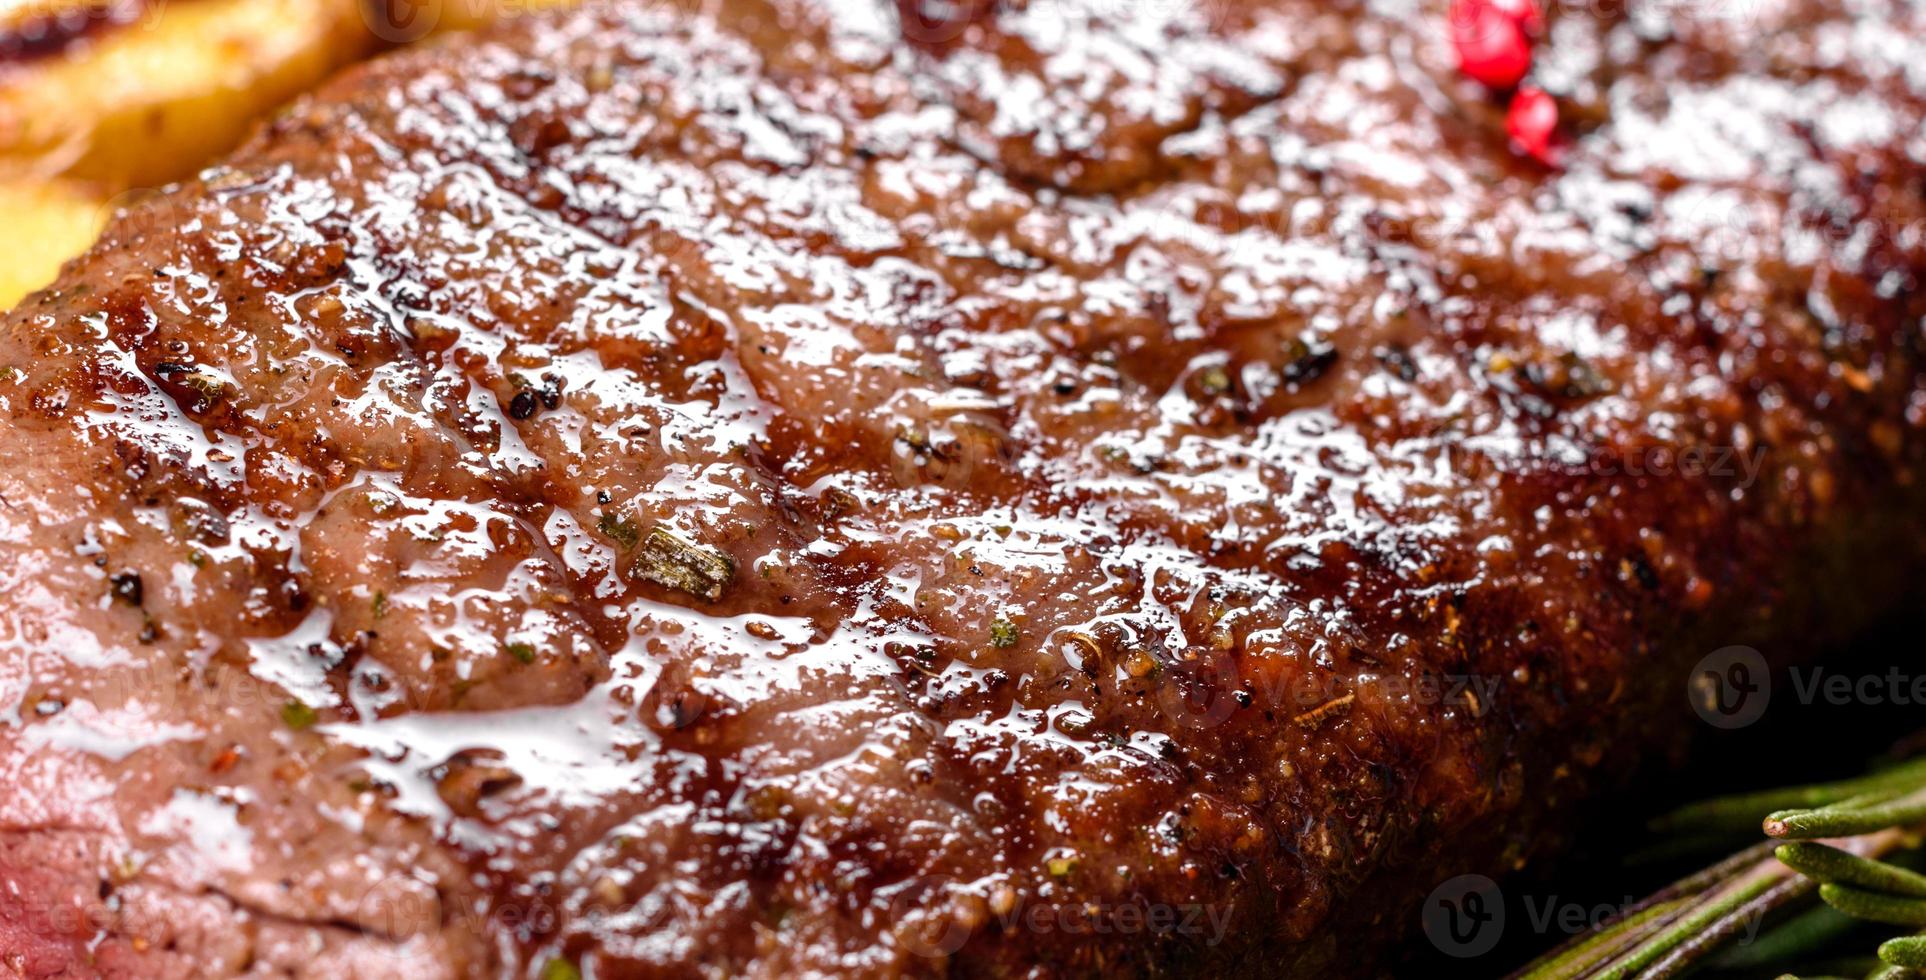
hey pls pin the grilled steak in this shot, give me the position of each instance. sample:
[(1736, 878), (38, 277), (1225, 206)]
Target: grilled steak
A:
[(1079, 488)]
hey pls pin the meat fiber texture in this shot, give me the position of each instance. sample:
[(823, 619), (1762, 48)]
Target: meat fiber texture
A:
[(1090, 487)]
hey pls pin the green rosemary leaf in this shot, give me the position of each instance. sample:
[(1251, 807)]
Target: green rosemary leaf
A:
[(1003, 633), (1890, 909), (620, 530), (1740, 813), (1640, 921), (1683, 927), (1703, 942), (1707, 911), (1834, 866), (1908, 952), (298, 716), (1847, 819), (1805, 933), (1575, 960)]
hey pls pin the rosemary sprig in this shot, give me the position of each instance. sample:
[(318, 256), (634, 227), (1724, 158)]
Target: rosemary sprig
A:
[(1858, 815), (1804, 933), (1642, 927), (1824, 862), (1875, 906), (1827, 839), (1694, 947), (1741, 813), (1578, 959), (1904, 953), (1713, 914)]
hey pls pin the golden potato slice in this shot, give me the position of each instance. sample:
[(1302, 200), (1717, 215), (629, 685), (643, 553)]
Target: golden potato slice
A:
[(42, 224), (148, 102), (101, 96), (98, 97)]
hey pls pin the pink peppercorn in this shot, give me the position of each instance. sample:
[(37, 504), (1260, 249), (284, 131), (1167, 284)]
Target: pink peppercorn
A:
[(1532, 122), (1491, 39), (1525, 13)]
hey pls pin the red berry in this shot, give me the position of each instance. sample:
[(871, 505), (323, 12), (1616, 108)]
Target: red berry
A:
[(1491, 43), (1524, 12), (1532, 122)]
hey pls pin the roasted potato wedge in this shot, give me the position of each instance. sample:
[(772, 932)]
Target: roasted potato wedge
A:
[(102, 97), (144, 103), (42, 224), (98, 97)]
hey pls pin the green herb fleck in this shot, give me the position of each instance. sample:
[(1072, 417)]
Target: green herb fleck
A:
[(1061, 867), (560, 969), (620, 530), (1214, 381), (522, 652), (1003, 633), (915, 438), (380, 604), (672, 560), (197, 558), (8, 373), (298, 716)]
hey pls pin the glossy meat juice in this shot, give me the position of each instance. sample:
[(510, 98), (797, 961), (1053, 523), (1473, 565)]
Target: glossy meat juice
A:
[(733, 490)]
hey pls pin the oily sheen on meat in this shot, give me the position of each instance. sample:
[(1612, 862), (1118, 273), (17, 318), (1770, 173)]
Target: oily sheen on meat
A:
[(1086, 488)]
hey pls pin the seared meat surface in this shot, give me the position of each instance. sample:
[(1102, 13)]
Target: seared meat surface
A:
[(1091, 488)]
